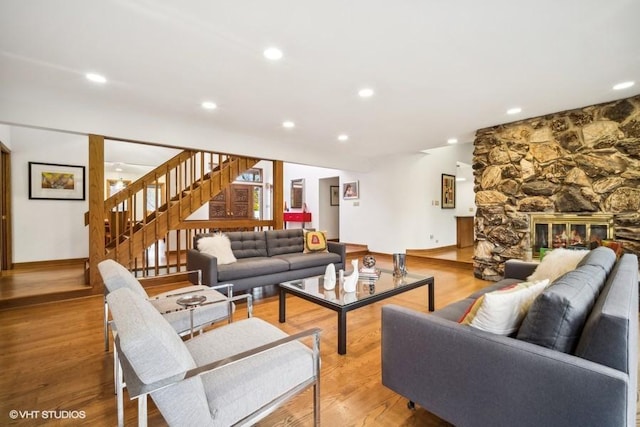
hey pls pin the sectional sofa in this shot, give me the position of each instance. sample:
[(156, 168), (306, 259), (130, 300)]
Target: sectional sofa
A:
[(573, 362), (264, 258)]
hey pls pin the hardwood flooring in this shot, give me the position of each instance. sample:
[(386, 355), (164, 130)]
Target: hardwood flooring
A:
[(52, 359)]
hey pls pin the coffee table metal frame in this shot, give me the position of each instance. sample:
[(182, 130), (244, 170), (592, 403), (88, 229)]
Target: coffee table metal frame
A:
[(343, 309)]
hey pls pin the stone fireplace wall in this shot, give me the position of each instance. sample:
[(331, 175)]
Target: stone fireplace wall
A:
[(580, 161)]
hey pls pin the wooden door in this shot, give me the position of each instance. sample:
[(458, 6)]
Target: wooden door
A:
[(234, 202)]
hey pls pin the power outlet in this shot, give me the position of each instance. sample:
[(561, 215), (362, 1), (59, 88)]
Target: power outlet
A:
[(356, 203)]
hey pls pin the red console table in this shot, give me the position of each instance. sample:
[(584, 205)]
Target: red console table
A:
[(302, 217)]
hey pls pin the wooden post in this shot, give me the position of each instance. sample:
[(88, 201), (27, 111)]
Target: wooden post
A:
[(278, 194), (96, 210)]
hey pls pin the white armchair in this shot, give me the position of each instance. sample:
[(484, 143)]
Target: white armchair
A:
[(232, 375)]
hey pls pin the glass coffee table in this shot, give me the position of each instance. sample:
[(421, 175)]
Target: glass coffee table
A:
[(368, 291)]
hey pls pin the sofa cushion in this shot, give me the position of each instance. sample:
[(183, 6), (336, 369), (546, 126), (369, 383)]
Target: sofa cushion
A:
[(556, 318), (284, 241), (605, 337), (501, 311), (602, 257), (557, 262), (315, 241), (251, 267), (218, 246), (299, 261), (248, 244), (495, 286)]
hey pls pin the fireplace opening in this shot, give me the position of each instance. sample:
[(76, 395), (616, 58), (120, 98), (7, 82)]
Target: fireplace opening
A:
[(570, 231)]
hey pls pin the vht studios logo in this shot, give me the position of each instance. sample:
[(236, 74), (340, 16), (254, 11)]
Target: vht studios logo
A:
[(46, 415)]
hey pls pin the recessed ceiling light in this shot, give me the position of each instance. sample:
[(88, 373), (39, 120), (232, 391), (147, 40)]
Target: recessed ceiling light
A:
[(118, 169), (272, 53), (343, 137), (366, 92), (288, 124), (96, 78), (515, 110), (208, 105), (623, 85), (452, 141), (460, 178)]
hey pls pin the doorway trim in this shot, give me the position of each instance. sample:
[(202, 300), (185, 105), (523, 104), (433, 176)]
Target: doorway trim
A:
[(6, 256)]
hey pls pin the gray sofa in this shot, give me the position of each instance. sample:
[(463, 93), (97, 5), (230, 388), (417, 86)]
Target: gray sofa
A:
[(573, 365), (264, 258)]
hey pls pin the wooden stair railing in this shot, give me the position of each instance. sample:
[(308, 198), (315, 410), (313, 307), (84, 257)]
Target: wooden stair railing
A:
[(141, 214)]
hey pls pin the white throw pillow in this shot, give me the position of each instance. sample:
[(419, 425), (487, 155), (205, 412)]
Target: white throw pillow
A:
[(502, 311), (557, 262), (218, 246)]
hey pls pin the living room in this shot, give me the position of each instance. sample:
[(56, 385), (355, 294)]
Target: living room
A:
[(396, 154)]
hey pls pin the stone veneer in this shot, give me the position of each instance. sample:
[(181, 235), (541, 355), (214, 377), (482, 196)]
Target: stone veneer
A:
[(579, 161)]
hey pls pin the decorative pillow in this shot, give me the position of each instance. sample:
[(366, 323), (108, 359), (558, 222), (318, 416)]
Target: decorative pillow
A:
[(501, 311), (615, 245), (556, 263), (218, 246), (315, 241)]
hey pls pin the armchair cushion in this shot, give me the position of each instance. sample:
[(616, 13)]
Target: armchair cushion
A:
[(115, 276), (148, 341)]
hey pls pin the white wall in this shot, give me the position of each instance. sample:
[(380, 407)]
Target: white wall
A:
[(396, 210), (46, 229), (312, 193), (328, 216), (397, 207), (465, 196), (5, 135)]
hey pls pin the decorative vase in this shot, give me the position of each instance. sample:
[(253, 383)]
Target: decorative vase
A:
[(330, 277), (351, 282), (369, 261)]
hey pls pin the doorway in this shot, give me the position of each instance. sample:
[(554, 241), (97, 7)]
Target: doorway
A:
[(329, 207), (5, 209)]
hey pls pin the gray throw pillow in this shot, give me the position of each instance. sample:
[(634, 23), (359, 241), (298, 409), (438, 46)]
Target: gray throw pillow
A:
[(556, 318)]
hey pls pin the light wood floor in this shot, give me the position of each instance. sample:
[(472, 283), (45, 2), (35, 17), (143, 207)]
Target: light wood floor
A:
[(52, 358)]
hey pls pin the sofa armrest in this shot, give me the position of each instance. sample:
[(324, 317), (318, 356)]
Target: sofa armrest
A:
[(473, 378), (517, 269), (340, 249), (206, 263)]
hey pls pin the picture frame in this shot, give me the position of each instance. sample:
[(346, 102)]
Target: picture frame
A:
[(350, 190), (52, 181), (334, 195), (448, 193)]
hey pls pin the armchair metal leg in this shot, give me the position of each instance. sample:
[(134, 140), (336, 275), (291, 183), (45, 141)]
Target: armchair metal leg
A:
[(316, 386), (106, 325), (142, 411), (119, 387)]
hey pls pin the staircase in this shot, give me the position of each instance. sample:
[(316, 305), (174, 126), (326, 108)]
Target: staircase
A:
[(177, 188)]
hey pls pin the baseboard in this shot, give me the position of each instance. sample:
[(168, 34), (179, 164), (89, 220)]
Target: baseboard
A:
[(72, 262)]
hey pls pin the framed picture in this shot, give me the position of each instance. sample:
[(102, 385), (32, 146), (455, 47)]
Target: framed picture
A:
[(448, 191), (49, 181), (334, 195), (350, 190)]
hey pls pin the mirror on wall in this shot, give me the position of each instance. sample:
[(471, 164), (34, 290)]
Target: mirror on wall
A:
[(297, 193)]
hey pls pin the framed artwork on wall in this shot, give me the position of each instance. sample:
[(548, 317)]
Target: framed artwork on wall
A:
[(448, 191), (50, 181), (334, 195), (350, 190)]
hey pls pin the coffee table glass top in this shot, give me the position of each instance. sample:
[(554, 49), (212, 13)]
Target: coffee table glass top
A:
[(367, 287)]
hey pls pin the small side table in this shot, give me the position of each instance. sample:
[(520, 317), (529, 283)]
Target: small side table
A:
[(191, 302)]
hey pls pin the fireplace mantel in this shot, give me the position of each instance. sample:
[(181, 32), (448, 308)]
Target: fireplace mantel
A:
[(573, 231)]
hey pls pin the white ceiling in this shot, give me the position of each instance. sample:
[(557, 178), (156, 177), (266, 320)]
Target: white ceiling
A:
[(440, 69)]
